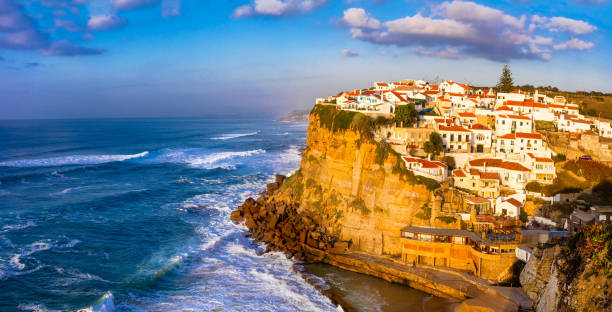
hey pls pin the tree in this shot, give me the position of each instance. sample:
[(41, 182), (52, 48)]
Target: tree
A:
[(506, 83), (405, 115), (434, 145)]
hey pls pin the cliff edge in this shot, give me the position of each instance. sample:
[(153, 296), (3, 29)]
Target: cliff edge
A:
[(355, 189)]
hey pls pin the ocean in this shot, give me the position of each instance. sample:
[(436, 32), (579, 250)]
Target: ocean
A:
[(133, 215)]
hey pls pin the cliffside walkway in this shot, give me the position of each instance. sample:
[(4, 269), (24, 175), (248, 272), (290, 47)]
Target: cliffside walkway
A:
[(475, 293)]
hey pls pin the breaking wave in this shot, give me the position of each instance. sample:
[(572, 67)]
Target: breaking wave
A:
[(229, 136), (70, 160)]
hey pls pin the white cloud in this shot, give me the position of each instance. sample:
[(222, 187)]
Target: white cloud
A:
[(277, 7), (349, 53), (105, 22), (573, 26), (357, 17), (474, 12), (574, 44), (458, 29)]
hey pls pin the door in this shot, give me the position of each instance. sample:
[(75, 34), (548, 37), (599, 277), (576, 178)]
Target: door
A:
[(479, 148)]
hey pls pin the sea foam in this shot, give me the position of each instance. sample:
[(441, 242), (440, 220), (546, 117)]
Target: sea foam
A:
[(229, 136), (70, 160)]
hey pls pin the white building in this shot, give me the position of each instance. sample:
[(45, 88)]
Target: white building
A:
[(520, 142), (482, 136), (430, 169), (542, 168), (456, 138), (572, 123), (510, 207), (505, 124)]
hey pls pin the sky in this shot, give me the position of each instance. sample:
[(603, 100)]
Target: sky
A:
[(192, 58)]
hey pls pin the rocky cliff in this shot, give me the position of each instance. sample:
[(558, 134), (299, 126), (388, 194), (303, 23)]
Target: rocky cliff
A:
[(350, 188), (575, 275)]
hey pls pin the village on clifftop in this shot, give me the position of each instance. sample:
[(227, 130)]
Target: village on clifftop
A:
[(488, 151)]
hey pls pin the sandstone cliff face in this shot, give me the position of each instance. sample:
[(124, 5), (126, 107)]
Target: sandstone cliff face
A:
[(574, 275), (347, 188)]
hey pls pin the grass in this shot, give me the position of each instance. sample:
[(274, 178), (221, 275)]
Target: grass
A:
[(447, 219), (358, 203), (545, 125), (341, 120)]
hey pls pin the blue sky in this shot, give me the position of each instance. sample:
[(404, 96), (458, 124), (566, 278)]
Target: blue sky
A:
[(175, 58)]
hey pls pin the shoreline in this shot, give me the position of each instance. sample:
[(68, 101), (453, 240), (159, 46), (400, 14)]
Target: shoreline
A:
[(300, 237)]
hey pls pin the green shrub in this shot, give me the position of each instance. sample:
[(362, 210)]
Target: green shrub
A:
[(447, 219), (559, 158), (358, 203)]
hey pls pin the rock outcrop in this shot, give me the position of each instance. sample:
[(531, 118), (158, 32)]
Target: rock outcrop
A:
[(575, 275), (350, 190)]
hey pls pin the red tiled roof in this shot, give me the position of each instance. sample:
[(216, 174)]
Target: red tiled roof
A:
[(518, 117), (474, 172), (508, 136), (490, 162), (479, 127), (510, 165), (514, 202), (524, 135), (426, 163), (454, 128), (504, 108), (381, 83), (467, 115), (459, 173), (540, 159), (489, 176)]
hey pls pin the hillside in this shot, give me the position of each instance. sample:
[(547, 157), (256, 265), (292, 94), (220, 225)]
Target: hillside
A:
[(573, 276)]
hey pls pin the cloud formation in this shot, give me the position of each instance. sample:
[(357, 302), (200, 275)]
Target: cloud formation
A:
[(574, 44), (133, 4), (19, 31), (349, 53), (277, 8), (105, 22), (459, 29)]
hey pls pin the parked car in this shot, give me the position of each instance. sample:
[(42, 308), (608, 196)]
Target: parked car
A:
[(586, 157)]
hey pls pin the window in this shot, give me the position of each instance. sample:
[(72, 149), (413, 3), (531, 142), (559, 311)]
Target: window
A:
[(409, 235), (452, 137), (425, 237), (458, 240)]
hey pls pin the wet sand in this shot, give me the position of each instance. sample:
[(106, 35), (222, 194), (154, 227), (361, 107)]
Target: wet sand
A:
[(363, 293)]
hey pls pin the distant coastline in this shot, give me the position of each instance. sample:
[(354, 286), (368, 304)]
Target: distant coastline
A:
[(296, 116)]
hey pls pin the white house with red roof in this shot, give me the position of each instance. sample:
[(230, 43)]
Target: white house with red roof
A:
[(542, 168), (512, 96), (520, 143), (482, 137), (395, 97), (455, 87), (512, 174), (510, 207), (506, 123), (381, 86), (572, 123), (455, 138), (467, 119), (430, 169)]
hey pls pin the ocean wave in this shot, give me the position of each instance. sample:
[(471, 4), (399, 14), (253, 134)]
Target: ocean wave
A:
[(106, 303), (203, 159), (35, 307), (19, 226), (229, 136), (70, 160)]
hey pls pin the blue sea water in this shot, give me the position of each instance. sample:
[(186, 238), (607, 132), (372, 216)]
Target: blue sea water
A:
[(133, 215)]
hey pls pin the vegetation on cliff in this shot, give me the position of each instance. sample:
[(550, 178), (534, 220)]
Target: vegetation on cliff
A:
[(340, 120), (574, 176)]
